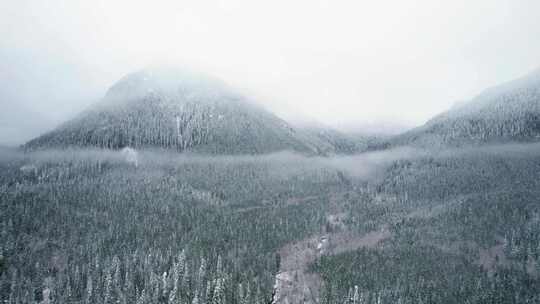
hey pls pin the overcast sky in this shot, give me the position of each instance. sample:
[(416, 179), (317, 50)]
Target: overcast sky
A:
[(343, 63)]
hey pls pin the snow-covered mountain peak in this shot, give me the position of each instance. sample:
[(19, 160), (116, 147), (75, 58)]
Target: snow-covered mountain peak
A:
[(183, 110), (169, 81)]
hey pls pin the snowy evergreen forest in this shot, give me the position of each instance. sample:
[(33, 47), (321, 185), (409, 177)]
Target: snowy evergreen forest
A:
[(91, 227)]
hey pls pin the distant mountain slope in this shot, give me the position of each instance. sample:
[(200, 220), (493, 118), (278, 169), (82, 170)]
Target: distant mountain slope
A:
[(509, 112), (175, 109), (339, 142)]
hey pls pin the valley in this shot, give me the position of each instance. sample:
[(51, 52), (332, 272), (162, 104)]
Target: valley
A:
[(176, 189)]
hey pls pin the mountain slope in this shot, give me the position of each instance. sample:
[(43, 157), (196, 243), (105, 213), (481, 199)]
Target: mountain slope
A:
[(509, 112), (175, 109), (340, 143)]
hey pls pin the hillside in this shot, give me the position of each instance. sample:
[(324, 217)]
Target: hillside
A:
[(91, 228), (509, 112), (176, 109), (340, 142)]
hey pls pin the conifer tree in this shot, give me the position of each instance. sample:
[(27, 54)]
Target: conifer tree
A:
[(89, 289)]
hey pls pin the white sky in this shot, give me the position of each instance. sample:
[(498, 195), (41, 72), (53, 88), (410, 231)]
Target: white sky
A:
[(339, 62)]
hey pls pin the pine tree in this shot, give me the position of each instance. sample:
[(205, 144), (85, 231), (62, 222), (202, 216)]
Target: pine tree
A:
[(154, 288), (143, 298), (108, 283), (202, 273), (208, 294), (241, 295), (195, 299), (186, 279), (356, 296), (219, 267), (164, 285), (218, 297), (247, 295), (68, 291), (13, 288), (117, 274), (89, 289), (46, 295), (181, 261), (174, 292), (128, 284)]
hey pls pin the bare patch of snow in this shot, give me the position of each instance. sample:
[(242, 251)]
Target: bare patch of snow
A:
[(131, 156)]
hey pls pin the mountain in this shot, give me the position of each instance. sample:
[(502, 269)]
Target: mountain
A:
[(508, 112), (340, 143), (182, 110), (336, 141)]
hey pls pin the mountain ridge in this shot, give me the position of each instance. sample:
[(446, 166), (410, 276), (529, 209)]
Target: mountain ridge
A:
[(503, 113), (177, 109)]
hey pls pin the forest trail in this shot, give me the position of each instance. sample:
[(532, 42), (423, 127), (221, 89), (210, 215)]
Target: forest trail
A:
[(295, 283)]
